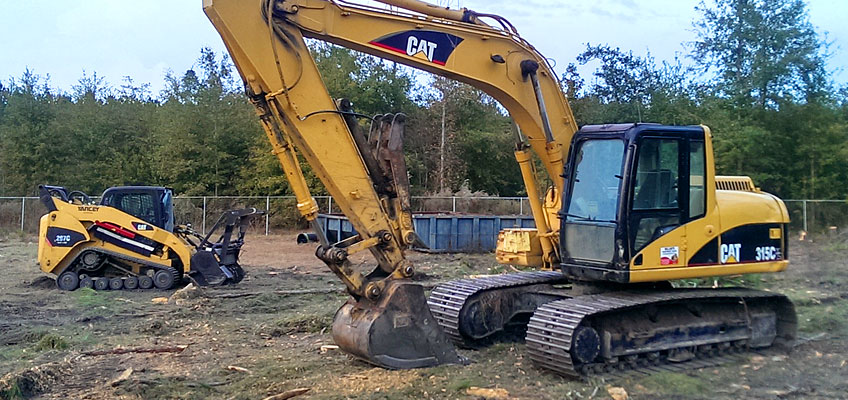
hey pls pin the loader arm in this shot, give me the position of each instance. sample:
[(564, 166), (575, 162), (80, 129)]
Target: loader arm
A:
[(266, 41)]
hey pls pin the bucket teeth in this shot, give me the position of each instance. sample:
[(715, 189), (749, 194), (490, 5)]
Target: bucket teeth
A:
[(397, 331)]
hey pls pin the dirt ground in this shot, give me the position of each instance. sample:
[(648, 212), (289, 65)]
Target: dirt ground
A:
[(268, 343)]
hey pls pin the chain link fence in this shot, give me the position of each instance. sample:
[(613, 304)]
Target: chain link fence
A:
[(23, 213)]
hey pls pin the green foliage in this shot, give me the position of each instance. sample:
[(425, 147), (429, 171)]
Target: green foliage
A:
[(204, 130), (759, 82), (12, 392), (373, 86), (51, 341), (478, 148), (764, 52)]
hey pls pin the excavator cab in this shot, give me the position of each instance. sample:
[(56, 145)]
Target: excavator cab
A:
[(640, 204)]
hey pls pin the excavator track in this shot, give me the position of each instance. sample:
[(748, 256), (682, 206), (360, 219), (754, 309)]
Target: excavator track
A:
[(451, 303), (651, 331)]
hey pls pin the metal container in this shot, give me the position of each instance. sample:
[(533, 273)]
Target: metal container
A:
[(442, 232)]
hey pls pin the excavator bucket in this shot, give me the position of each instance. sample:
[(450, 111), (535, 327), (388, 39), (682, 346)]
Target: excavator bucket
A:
[(397, 331)]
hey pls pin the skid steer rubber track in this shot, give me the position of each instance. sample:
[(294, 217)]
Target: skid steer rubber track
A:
[(84, 278), (451, 302), (651, 331)]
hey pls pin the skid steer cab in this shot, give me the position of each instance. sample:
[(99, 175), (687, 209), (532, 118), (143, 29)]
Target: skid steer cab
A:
[(129, 241)]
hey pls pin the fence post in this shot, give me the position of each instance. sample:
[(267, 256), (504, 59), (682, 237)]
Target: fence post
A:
[(204, 215), (23, 211), (454, 203), (805, 215), (267, 213), (520, 206), (329, 204)]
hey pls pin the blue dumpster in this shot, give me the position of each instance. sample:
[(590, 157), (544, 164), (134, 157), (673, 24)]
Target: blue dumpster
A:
[(442, 232)]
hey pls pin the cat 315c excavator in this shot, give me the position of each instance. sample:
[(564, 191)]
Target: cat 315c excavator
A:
[(129, 241), (632, 206)]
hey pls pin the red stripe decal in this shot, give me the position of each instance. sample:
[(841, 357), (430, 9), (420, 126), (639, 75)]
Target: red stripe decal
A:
[(115, 228)]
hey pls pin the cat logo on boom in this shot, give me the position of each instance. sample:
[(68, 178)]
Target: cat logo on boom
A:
[(417, 47), (432, 46)]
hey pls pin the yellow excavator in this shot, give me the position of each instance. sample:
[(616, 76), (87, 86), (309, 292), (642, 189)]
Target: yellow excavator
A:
[(632, 206)]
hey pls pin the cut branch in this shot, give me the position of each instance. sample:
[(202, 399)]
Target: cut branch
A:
[(121, 350)]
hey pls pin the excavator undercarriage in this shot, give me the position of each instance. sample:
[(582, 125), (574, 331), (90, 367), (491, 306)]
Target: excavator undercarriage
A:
[(581, 329)]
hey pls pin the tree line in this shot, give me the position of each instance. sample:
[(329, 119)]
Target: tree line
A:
[(757, 77)]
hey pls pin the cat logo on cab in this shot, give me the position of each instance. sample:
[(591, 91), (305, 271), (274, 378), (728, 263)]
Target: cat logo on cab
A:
[(730, 253), (142, 226)]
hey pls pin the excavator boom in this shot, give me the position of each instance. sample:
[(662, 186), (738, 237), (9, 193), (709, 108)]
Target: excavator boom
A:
[(266, 41)]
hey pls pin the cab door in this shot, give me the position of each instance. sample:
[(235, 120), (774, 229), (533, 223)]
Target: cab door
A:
[(668, 191)]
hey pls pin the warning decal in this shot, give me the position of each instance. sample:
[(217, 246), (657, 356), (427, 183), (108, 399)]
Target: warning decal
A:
[(669, 255)]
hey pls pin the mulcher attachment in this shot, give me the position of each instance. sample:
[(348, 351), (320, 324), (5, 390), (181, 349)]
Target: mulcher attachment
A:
[(206, 271), (397, 331), (216, 263)]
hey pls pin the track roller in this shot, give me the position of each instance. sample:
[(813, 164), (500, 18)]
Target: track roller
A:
[(101, 284), (86, 282), (68, 280), (131, 283), (165, 278), (145, 282), (116, 283)]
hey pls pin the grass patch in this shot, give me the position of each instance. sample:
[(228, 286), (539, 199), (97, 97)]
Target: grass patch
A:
[(34, 335), (267, 303), (462, 384), (15, 235), (51, 341), (98, 303), (168, 388), (13, 392), (676, 383), (754, 281), (831, 318), (273, 373), (300, 322), (89, 298), (835, 244), (306, 323)]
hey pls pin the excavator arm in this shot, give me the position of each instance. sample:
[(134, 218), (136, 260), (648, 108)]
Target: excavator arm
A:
[(266, 41)]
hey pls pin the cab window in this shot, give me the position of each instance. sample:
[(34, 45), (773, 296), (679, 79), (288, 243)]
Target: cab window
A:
[(656, 175), (140, 205), (697, 180), (656, 196), (596, 181)]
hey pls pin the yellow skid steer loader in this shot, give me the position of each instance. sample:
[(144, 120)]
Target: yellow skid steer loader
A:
[(129, 241)]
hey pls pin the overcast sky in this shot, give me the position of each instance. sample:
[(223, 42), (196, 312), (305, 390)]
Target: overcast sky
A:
[(143, 39)]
